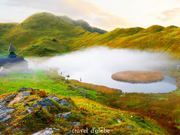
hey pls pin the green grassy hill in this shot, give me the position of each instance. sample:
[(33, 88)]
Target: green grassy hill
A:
[(154, 38), (46, 34)]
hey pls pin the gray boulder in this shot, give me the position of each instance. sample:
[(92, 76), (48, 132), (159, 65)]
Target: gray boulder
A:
[(58, 115), (26, 93), (5, 111), (47, 131), (130, 127), (9, 98), (45, 102), (62, 102), (29, 110), (4, 117), (66, 115), (75, 123), (22, 89)]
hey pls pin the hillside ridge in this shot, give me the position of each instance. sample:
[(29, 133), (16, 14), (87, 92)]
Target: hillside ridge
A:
[(45, 34)]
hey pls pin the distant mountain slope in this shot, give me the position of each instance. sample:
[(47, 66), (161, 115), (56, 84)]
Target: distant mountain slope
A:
[(46, 34), (86, 26), (154, 38)]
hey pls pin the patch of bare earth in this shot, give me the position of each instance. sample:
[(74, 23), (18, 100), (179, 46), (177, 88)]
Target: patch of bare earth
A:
[(138, 76)]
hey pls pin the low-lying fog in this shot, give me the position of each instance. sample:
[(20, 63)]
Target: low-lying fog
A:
[(96, 65)]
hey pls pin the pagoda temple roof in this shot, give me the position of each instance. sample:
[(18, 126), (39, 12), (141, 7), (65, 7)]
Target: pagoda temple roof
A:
[(11, 48)]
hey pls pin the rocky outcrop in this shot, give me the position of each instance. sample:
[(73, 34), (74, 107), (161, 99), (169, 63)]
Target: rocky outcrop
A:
[(47, 131), (5, 111), (30, 107), (48, 102)]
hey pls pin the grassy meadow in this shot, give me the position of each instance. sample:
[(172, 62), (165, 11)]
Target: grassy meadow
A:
[(148, 113)]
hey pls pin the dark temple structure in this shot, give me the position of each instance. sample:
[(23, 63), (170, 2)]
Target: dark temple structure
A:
[(12, 60)]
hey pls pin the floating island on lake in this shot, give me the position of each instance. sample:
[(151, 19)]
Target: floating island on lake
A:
[(138, 76)]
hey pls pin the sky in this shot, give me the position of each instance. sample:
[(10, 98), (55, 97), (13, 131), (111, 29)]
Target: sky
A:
[(105, 14)]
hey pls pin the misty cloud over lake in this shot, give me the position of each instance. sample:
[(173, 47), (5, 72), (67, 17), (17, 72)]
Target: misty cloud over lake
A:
[(96, 65)]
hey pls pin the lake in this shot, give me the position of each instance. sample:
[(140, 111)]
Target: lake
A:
[(96, 65)]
